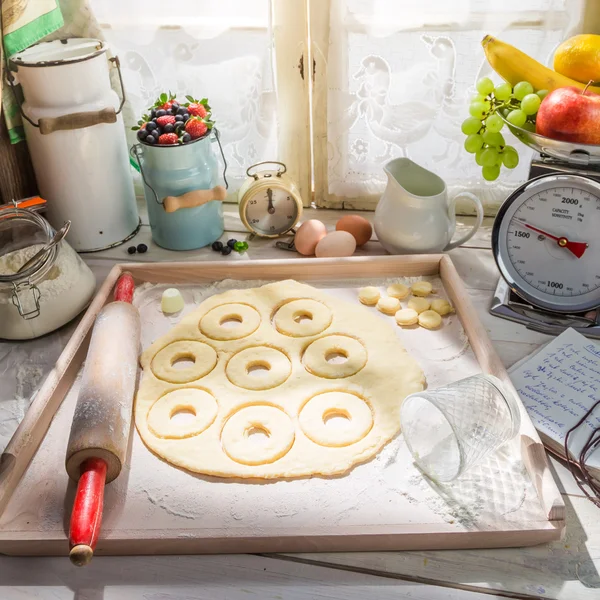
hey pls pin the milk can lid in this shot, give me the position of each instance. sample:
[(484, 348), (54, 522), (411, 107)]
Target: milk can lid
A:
[(58, 52)]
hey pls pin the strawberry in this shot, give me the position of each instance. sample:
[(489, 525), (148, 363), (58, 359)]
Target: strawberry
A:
[(196, 127), (197, 110), (165, 101), (168, 139), (164, 120)]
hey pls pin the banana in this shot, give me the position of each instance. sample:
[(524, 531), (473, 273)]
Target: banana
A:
[(514, 66)]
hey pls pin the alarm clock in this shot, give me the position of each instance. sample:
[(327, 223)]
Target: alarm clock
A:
[(270, 202)]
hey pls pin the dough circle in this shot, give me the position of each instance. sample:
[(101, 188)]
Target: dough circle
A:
[(419, 304), (398, 290), (212, 324), (201, 403), (288, 318), (269, 420), (203, 355), (317, 353), (430, 319), (421, 288), (316, 412), (407, 316), (388, 305), (276, 368), (369, 295), (441, 306)]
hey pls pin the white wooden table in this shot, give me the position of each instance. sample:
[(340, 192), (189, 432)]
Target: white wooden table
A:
[(565, 570)]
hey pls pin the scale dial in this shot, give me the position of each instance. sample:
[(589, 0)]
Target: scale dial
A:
[(546, 242)]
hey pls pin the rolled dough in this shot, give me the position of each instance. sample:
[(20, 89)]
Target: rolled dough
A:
[(298, 389)]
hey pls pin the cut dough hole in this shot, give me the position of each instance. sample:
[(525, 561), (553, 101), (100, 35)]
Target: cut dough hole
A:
[(258, 368), (230, 322), (317, 361), (258, 435), (184, 361), (183, 415), (301, 318), (336, 418), (336, 357)]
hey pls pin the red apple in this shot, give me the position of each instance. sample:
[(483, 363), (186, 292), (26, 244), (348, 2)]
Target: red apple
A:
[(570, 115)]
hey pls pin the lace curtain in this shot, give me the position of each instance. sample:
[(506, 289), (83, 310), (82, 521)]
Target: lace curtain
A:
[(220, 49), (399, 77)]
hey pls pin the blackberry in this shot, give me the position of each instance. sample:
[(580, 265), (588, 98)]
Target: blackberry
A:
[(131, 250), (141, 248)]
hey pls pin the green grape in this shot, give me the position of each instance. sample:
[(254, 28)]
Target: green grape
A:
[(530, 104), (504, 111), (477, 98), (510, 157), (479, 109), (517, 118), (522, 89), (529, 126), (485, 86), (494, 123), (542, 93), (471, 125), (493, 139), (490, 173), (489, 157), (478, 156), (473, 143), (503, 91)]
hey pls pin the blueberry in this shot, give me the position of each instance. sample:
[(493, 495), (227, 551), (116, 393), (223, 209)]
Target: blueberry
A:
[(169, 128), (175, 107), (141, 134), (185, 116), (141, 248), (178, 126), (182, 110), (178, 118), (131, 250), (151, 126), (150, 139), (231, 243), (226, 250), (161, 112), (152, 114), (217, 246), (186, 138)]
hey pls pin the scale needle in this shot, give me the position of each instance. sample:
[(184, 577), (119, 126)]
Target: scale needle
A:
[(271, 208), (576, 248)]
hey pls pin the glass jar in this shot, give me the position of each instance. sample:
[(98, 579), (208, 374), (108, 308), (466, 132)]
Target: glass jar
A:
[(50, 292)]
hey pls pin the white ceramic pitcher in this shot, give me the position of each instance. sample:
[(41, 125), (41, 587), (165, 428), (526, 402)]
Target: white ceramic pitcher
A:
[(414, 215)]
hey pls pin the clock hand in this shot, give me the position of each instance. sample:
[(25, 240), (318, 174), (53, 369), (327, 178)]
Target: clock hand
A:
[(576, 248), (271, 208)]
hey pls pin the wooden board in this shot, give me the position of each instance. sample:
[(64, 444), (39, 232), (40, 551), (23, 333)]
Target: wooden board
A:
[(22, 529)]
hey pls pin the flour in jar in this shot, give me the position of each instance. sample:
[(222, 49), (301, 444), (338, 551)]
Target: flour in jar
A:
[(64, 291)]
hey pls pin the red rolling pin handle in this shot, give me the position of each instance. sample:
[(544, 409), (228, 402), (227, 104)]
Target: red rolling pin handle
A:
[(124, 288), (86, 517)]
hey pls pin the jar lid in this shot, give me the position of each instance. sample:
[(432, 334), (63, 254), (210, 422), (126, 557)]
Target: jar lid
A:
[(58, 52)]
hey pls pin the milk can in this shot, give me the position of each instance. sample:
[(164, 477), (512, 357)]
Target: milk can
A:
[(77, 141), (169, 173)]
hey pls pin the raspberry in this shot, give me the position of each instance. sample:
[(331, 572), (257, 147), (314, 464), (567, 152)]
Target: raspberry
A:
[(165, 120), (168, 139), (197, 110), (196, 127)]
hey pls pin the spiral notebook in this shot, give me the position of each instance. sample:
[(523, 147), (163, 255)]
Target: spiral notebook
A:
[(558, 384)]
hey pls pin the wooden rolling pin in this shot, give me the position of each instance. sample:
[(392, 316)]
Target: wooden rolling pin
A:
[(194, 198), (102, 420)]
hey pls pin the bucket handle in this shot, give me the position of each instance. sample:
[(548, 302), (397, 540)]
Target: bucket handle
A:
[(74, 120), (134, 151)]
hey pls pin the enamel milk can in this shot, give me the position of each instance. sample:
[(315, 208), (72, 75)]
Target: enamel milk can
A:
[(76, 139)]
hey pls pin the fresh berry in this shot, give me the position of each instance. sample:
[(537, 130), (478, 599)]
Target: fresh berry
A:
[(186, 116), (141, 248), (161, 112), (165, 120), (217, 246), (151, 126), (226, 250), (179, 127), (197, 110), (178, 118), (168, 138), (231, 243), (142, 134), (186, 137), (196, 127), (169, 128), (150, 139), (182, 110), (152, 114), (175, 107), (131, 250)]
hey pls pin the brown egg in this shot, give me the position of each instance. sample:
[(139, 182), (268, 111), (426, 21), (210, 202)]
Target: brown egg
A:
[(336, 244), (358, 226), (308, 236)]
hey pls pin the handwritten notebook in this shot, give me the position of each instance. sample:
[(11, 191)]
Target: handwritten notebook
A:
[(558, 385)]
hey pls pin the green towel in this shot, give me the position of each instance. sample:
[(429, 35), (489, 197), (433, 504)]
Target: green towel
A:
[(24, 23)]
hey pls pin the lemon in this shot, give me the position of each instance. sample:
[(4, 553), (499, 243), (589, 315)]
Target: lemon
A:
[(579, 58)]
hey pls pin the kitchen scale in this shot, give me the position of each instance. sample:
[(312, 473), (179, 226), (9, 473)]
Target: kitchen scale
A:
[(546, 241)]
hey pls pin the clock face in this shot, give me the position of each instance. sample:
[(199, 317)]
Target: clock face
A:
[(271, 211)]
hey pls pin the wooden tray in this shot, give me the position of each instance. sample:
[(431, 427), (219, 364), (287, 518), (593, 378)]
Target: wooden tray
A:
[(36, 495)]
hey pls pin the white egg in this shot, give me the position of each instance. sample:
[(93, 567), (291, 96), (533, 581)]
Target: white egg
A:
[(336, 244)]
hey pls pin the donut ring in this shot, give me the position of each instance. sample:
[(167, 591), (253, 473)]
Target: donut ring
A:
[(315, 356), (272, 421), (287, 318), (313, 419), (194, 400), (211, 324), (277, 364), (203, 355)]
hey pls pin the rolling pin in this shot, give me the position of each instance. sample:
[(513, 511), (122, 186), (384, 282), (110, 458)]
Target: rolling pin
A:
[(194, 198), (99, 437)]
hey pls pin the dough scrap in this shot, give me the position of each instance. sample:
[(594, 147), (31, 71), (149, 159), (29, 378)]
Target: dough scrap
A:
[(398, 290), (293, 418), (407, 316), (441, 306), (419, 304), (388, 305), (369, 295), (421, 288), (430, 319)]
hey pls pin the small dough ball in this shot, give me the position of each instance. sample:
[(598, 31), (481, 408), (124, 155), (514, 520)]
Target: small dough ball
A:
[(358, 226), (441, 306), (171, 301), (407, 316), (421, 288), (309, 234), (430, 319), (398, 290), (369, 295), (388, 306), (419, 304), (336, 244)]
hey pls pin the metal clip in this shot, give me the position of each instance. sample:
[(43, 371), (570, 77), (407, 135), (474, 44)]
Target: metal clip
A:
[(25, 287)]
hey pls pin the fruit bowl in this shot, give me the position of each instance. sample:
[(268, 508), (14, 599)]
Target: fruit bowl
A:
[(576, 154)]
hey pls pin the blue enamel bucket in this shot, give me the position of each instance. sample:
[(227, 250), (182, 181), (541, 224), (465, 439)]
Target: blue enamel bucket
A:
[(176, 170)]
